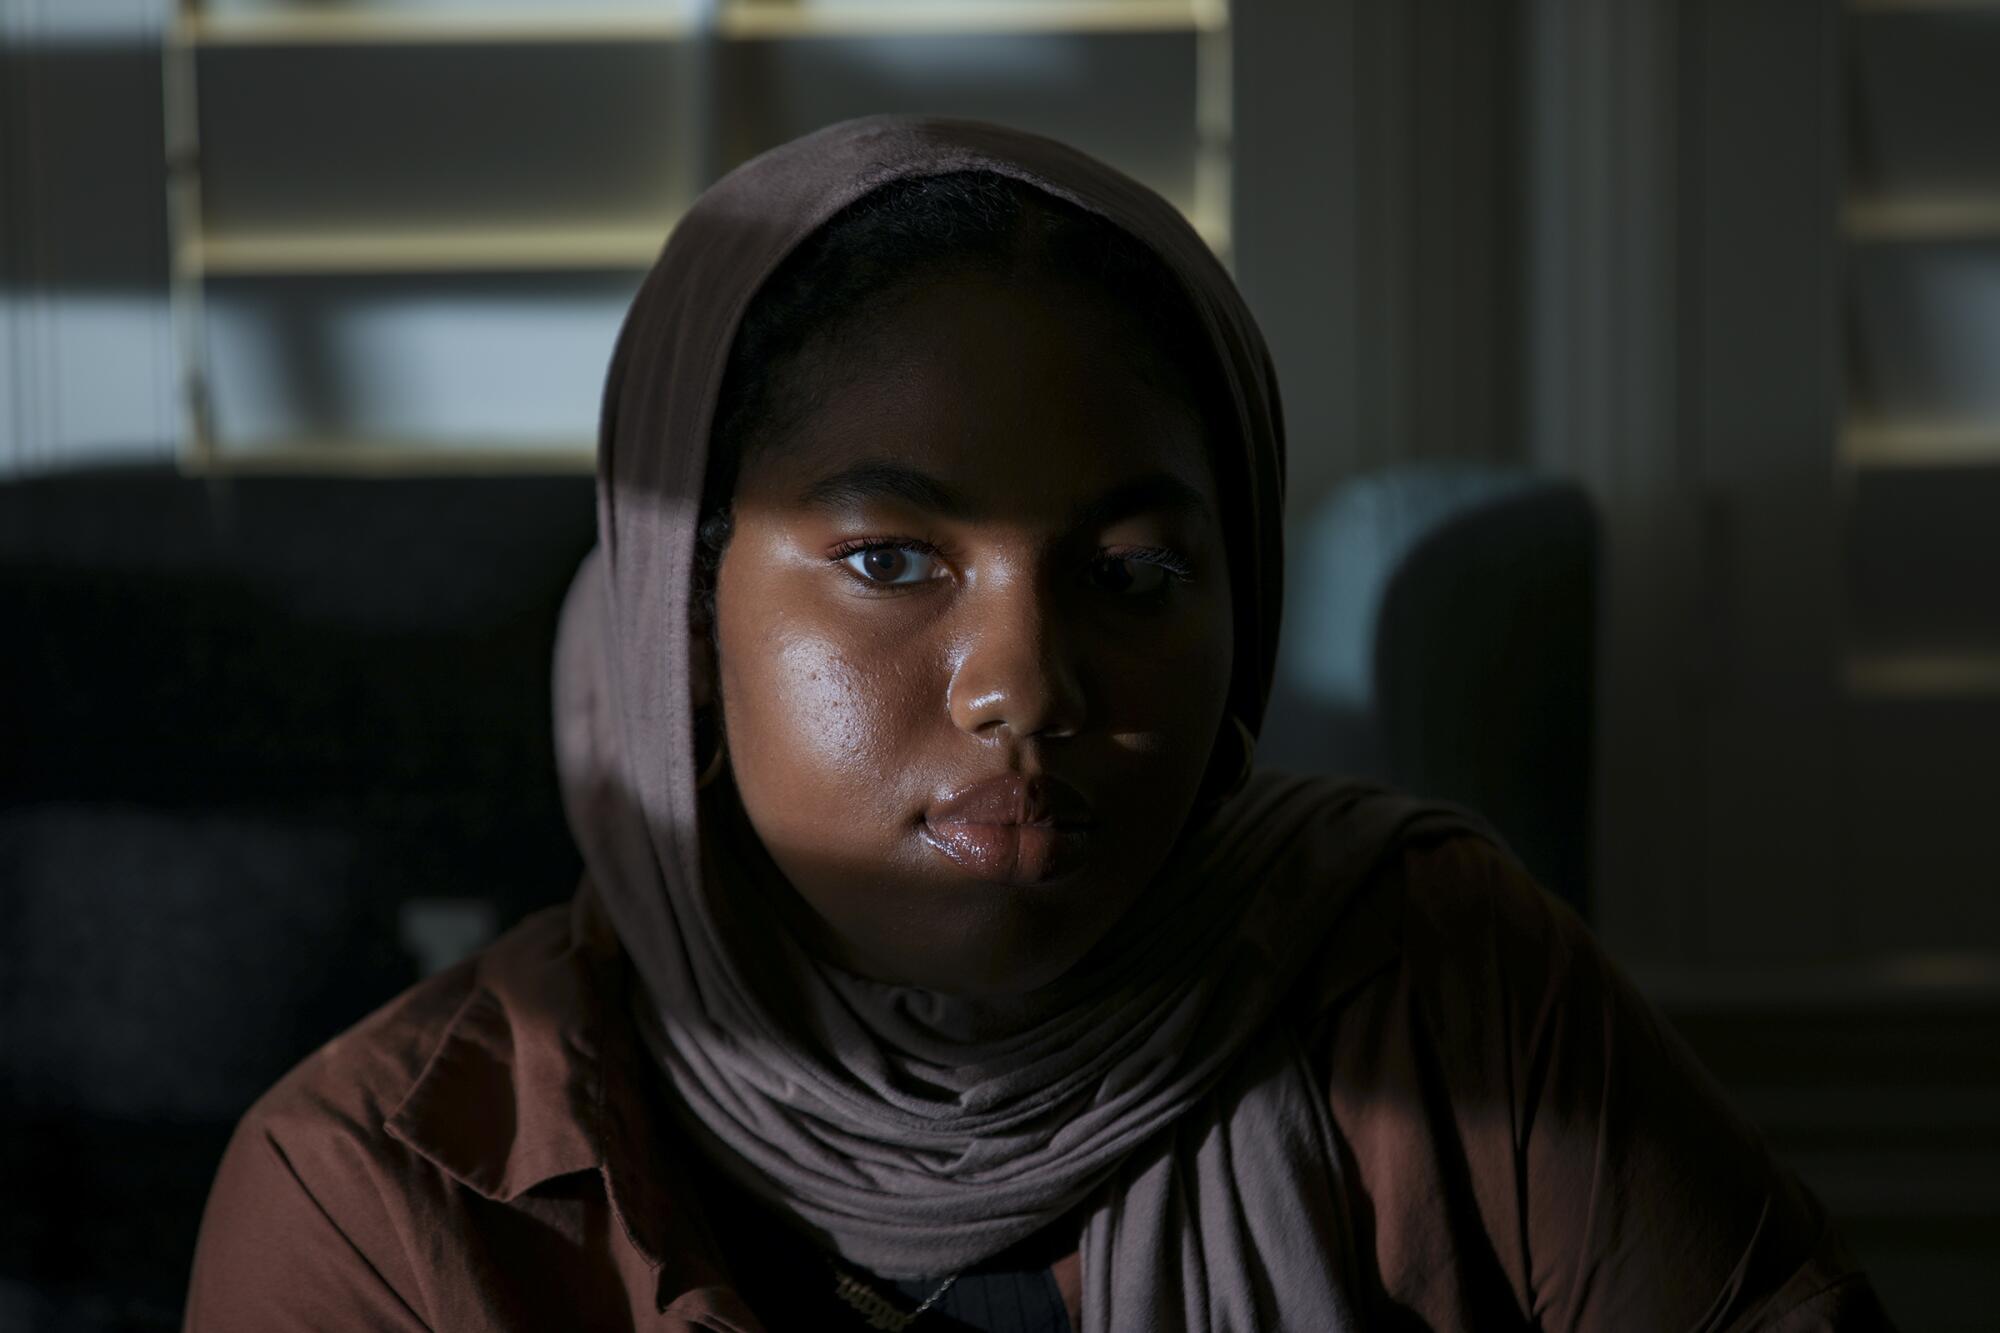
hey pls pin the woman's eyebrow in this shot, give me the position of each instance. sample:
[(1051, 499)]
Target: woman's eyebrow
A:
[(1153, 493), (878, 481), (866, 482)]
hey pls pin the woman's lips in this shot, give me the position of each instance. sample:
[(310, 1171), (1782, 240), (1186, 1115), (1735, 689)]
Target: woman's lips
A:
[(1009, 853), (1011, 829)]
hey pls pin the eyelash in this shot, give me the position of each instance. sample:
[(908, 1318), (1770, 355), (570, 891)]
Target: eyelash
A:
[(860, 544), (1172, 561), (1175, 564)]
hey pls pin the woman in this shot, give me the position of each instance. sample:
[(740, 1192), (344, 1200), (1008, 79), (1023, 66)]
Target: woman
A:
[(938, 963)]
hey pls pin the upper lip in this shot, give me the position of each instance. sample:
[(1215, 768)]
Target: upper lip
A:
[(1013, 798)]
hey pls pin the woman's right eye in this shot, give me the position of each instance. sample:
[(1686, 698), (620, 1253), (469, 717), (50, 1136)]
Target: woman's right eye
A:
[(892, 566)]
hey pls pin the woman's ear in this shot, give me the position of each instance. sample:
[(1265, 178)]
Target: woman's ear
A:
[(704, 675)]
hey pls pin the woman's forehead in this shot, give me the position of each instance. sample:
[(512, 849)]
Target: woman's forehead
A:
[(989, 388)]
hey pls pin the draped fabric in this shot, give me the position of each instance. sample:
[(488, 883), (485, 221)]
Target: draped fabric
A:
[(1160, 1084)]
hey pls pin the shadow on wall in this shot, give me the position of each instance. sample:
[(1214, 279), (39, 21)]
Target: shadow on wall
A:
[(1439, 632)]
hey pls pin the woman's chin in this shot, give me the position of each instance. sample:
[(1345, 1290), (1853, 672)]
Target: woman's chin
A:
[(995, 955), (983, 976)]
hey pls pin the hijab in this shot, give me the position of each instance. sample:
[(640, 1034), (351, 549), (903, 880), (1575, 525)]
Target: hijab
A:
[(1160, 1086)]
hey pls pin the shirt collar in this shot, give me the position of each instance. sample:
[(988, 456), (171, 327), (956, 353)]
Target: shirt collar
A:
[(538, 1075)]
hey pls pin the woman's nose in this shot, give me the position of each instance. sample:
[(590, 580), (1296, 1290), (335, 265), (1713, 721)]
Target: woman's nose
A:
[(1014, 672)]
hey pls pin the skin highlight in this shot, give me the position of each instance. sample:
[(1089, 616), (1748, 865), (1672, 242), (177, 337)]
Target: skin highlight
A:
[(973, 638)]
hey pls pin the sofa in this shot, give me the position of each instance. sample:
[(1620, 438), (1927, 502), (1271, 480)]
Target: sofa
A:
[(270, 748)]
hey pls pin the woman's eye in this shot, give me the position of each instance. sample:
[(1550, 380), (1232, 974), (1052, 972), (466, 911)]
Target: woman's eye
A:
[(1128, 577), (892, 564)]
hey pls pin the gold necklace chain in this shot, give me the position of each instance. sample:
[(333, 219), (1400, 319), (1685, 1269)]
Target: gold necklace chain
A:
[(871, 1305)]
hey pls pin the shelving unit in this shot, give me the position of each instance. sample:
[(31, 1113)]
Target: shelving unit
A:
[(327, 163), (1921, 222), (1917, 476)]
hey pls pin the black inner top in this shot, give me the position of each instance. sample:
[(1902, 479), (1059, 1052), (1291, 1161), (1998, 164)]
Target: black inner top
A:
[(789, 1282)]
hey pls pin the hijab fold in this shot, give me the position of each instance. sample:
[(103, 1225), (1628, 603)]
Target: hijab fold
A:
[(1160, 1088)]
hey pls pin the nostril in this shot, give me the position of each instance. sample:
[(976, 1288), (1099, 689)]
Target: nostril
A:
[(1061, 730), (1039, 709), (1012, 675)]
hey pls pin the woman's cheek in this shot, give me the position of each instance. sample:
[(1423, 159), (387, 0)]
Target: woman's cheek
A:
[(1166, 679), (817, 724)]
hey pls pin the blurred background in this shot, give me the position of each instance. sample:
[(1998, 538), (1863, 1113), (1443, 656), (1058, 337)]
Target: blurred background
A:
[(1641, 367)]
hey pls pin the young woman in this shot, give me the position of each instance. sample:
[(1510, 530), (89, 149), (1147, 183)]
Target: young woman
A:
[(939, 963)]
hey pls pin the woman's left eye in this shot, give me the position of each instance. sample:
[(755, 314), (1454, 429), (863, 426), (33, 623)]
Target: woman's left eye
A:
[(1131, 576), (892, 565)]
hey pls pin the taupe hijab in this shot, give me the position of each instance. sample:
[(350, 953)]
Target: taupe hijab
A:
[(1160, 1085)]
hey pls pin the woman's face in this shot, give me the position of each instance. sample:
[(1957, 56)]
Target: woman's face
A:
[(974, 638)]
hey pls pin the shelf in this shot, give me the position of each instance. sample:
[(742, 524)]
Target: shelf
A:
[(393, 458), (1891, 981), (456, 250), (749, 20), (427, 250), (1880, 445), (765, 19), (1878, 675), (383, 27), (1923, 6), (1943, 218)]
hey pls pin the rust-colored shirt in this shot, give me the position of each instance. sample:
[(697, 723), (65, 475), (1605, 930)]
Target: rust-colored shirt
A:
[(1529, 1148)]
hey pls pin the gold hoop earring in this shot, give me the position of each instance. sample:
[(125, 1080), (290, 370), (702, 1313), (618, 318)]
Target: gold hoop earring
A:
[(1220, 794), (1249, 746), (713, 769)]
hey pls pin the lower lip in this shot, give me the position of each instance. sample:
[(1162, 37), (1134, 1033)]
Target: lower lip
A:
[(1009, 853)]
